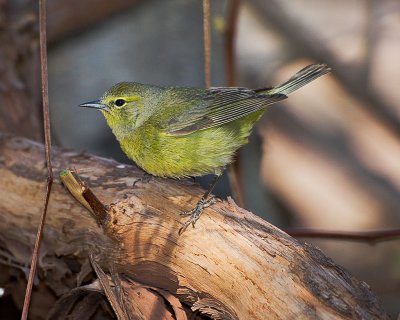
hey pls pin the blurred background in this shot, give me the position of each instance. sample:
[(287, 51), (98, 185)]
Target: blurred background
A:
[(326, 158)]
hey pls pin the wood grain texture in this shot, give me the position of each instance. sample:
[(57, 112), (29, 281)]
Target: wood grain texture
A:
[(233, 265)]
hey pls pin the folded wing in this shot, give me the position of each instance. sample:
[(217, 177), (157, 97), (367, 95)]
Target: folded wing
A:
[(218, 106)]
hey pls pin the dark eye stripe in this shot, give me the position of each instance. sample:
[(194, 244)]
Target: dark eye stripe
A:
[(119, 102)]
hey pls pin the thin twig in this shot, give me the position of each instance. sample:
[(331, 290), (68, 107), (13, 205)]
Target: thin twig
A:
[(120, 312), (118, 290), (207, 42), (46, 120), (362, 236), (235, 178), (230, 41), (235, 181)]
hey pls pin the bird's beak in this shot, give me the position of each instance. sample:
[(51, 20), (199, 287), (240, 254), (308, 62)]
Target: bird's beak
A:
[(94, 104)]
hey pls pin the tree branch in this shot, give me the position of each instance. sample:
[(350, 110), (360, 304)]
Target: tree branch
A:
[(233, 265)]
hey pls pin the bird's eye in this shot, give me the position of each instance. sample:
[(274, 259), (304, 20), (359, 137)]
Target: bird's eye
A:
[(119, 102)]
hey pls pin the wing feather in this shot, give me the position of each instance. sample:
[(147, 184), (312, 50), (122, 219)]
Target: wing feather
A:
[(218, 106)]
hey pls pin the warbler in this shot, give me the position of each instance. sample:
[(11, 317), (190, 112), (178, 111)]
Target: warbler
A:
[(181, 131)]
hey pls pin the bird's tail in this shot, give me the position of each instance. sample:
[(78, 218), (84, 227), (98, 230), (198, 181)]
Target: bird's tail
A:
[(300, 79)]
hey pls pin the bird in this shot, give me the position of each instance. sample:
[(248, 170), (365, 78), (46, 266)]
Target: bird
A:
[(177, 132)]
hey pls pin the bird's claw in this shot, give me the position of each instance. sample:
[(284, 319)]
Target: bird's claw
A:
[(146, 178), (195, 213)]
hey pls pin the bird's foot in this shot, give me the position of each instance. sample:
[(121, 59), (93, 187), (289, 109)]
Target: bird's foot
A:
[(195, 213), (146, 178)]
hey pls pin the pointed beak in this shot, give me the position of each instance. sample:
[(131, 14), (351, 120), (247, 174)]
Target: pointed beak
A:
[(94, 104)]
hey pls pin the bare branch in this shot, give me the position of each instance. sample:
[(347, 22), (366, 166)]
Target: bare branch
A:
[(371, 237), (207, 42), (230, 249)]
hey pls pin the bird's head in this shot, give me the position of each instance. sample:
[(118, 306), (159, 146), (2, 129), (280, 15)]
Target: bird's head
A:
[(123, 105)]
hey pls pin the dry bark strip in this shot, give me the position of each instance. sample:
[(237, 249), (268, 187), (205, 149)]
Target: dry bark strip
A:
[(233, 265)]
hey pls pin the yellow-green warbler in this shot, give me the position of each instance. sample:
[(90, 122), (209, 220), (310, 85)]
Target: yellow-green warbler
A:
[(180, 132)]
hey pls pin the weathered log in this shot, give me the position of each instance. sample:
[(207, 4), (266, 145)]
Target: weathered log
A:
[(233, 265)]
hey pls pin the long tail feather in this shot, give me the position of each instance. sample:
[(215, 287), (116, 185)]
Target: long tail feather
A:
[(300, 79)]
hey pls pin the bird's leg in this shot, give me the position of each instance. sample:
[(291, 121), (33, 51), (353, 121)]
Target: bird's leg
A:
[(204, 202)]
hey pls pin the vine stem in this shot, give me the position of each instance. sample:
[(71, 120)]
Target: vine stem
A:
[(207, 42), (47, 138)]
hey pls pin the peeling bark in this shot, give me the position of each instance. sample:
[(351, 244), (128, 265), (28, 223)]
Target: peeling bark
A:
[(233, 265)]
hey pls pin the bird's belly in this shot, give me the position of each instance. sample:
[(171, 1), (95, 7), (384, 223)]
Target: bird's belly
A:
[(199, 153)]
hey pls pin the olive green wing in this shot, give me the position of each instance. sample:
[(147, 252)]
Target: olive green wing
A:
[(218, 106)]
